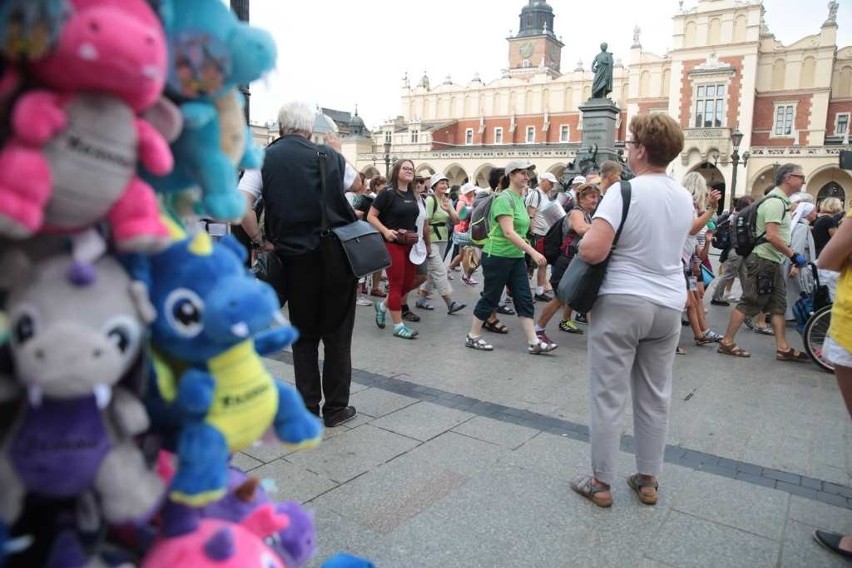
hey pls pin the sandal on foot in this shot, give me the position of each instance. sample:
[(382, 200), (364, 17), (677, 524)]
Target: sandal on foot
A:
[(637, 484), (410, 316), (791, 355), (680, 351), (495, 326), (703, 340), (381, 315), (541, 347), (477, 343), (732, 349), (424, 304), (583, 485), (405, 332), (763, 330), (831, 541), (455, 307)]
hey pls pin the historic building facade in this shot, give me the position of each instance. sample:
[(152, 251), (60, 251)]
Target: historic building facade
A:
[(725, 71)]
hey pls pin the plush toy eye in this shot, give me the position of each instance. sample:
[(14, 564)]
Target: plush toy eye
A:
[(184, 309), (123, 332), (24, 324)]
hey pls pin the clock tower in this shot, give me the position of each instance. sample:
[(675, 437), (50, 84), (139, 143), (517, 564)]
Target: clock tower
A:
[(535, 47)]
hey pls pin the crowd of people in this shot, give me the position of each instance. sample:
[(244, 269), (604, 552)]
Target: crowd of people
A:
[(656, 278)]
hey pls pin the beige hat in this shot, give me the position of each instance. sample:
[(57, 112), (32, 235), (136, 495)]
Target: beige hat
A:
[(467, 188), (547, 176), (515, 165), (578, 180), (436, 178)]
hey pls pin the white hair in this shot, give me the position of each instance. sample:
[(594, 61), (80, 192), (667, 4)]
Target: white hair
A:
[(296, 118)]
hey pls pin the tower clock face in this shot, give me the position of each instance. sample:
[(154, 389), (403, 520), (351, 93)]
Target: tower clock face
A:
[(526, 49)]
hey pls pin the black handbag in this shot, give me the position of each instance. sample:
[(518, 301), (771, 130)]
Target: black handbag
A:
[(269, 268), (362, 245), (580, 284)]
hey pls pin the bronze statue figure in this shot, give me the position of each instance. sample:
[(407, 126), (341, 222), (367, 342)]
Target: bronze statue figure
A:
[(602, 66)]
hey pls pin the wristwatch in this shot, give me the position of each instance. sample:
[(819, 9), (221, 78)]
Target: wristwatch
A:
[(255, 245)]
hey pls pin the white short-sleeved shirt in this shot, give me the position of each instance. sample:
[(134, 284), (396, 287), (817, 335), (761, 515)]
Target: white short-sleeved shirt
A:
[(647, 260), (252, 181), (537, 198)]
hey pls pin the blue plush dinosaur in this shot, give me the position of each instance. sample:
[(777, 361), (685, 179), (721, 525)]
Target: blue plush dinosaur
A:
[(212, 395), (211, 53)]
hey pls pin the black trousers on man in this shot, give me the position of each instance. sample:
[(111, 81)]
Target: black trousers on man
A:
[(321, 296)]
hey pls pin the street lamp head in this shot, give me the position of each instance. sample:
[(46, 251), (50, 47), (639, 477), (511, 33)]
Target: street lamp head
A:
[(387, 146), (736, 137), (746, 156)]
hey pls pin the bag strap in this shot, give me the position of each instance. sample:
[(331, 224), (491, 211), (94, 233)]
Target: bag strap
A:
[(626, 193), (321, 158)]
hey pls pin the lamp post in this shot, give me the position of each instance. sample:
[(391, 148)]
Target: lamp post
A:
[(736, 139), (241, 8), (387, 158)]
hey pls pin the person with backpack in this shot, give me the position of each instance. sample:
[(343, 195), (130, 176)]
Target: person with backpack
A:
[(723, 240), (539, 207), (762, 236), (570, 230), (503, 260)]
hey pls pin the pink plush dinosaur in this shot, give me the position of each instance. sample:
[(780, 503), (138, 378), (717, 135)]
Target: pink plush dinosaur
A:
[(76, 141)]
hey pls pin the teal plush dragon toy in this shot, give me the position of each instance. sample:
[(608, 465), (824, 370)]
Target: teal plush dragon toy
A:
[(211, 54), (212, 395)]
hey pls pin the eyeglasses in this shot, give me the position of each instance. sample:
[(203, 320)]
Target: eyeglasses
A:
[(634, 142), (800, 176), (407, 169)]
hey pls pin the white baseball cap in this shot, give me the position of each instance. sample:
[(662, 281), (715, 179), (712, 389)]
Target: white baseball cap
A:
[(578, 180), (467, 188), (436, 178), (547, 176), (515, 165)]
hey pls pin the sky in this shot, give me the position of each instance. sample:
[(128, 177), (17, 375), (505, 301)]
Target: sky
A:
[(342, 54)]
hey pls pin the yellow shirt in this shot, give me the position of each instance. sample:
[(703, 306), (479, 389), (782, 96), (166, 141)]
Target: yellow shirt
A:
[(841, 312)]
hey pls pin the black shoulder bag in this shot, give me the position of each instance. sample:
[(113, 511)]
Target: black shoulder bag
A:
[(582, 281), (361, 244)]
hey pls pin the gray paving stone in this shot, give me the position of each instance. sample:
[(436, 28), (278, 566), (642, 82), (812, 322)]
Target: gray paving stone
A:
[(336, 533), (796, 490), (820, 515), (376, 402), (558, 456), (782, 476), (837, 489), (268, 451), (753, 509), (460, 453), (422, 421), (294, 483), (245, 462), (756, 479), (490, 430), (352, 453), (836, 500), (384, 499), (686, 541), (799, 549)]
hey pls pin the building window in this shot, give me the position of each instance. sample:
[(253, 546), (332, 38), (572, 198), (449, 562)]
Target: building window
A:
[(530, 134), (387, 136), (498, 135), (415, 136), (841, 124), (784, 115), (525, 63), (468, 136), (710, 106), (563, 133)]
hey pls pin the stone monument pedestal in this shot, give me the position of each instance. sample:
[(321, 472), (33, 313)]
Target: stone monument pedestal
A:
[(599, 119)]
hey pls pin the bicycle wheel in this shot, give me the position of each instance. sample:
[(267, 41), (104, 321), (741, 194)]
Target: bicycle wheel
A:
[(814, 335)]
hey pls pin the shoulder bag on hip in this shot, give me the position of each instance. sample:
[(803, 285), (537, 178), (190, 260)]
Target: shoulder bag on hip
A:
[(361, 244), (582, 281)]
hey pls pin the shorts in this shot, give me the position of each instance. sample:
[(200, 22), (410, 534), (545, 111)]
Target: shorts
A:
[(558, 269), (755, 268), (537, 242), (423, 268), (836, 353)]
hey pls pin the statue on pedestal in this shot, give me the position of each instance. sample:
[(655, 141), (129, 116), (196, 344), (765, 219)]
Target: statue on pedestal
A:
[(602, 66)]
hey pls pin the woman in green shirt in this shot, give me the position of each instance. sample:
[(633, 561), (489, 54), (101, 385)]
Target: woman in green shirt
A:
[(503, 261)]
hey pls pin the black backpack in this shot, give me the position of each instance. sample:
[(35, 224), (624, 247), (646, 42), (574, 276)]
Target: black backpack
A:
[(745, 228), (553, 241), (722, 236)]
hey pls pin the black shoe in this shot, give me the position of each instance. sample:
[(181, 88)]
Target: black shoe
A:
[(831, 541), (542, 297), (720, 303), (339, 417), (581, 318)]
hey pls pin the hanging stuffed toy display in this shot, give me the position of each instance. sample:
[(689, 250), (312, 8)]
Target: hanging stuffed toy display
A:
[(212, 395), (76, 141), (211, 54), (75, 337)]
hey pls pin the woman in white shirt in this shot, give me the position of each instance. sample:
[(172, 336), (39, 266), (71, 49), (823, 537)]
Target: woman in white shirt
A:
[(635, 324)]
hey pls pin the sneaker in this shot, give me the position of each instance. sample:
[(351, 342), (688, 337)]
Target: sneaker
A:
[(477, 343), (541, 347), (405, 332), (720, 302), (569, 326), (362, 301), (733, 298), (543, 297), (469, 281), (542, 336), (455, 307), (581, 318), (424, 304), (381, 315), (712, 335)]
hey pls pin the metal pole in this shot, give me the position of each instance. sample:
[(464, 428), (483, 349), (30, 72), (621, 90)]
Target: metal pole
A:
[(735, 162), (241, 8)]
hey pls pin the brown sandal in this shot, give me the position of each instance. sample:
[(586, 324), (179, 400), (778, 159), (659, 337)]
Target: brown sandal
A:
[(791, 355), (732, 349), (637, 484), (495, 326), (583, 486)]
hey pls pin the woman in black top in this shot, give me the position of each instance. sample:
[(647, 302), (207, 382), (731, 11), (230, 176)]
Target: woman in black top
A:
[(830, 214), (394, 213)]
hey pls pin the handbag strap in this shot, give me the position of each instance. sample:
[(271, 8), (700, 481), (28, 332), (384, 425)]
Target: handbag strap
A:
[(626, 193), (321, 157)]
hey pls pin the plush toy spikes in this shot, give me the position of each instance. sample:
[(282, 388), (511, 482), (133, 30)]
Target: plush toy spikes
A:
[(221, 545), (201, 245)]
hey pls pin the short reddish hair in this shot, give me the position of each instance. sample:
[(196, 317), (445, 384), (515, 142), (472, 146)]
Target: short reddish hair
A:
[(660, 135)]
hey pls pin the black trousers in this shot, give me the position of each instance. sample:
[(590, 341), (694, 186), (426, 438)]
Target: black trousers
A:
[(321, 296)]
